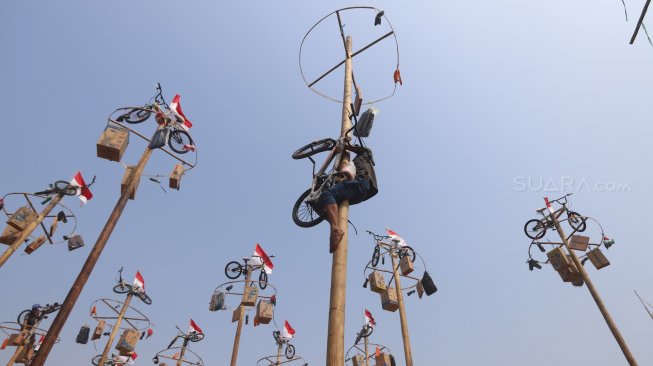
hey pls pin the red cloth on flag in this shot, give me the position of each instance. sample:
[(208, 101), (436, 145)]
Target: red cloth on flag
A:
[(369, 319), (263, 259), (194, 327), (82, 190), (396, 238), (288, 331), (139, 282), (176, 108)]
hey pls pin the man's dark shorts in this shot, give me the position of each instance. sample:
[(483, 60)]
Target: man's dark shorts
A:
[(354, 190)]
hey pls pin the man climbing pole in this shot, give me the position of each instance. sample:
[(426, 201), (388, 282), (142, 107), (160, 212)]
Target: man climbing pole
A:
[(357, 184)]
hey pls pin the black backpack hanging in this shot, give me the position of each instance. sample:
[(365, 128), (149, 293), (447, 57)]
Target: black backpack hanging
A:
[(428, 284), (82, 336)]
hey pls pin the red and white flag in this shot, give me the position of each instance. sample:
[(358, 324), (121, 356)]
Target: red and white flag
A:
[(548, 204), (260, 258), (194, 327), (369, 319), (139, 282), (83, 192), (396, 238), (287, 332), (38, 344), (175, 107)]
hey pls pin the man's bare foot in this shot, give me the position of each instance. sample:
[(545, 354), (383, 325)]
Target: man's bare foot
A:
[(334, 239)]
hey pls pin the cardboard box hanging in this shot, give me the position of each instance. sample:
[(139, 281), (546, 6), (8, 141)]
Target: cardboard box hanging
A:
[(597, 258), (558, 259), (377, 282), (113, 143), (128, 340), (579, 242), (99, 329), (383, 359), (35, 244), (406, 266), (389, 300), (250, 296), (264, 311), (9, 235), (21, 218), (175, 177), (236, 314)]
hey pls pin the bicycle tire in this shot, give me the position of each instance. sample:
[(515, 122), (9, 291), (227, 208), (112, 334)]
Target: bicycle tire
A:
[(290, 351), (233, 270), (21, 317), (314, 148), (145, 298), (122, 288), (177, 140), (303, 214), (534, 229), (96, 360), (65, 188), (376, 255), (369, 331), (263, 280), (196, 337), (576, 221), (136, 115), (409, 252)]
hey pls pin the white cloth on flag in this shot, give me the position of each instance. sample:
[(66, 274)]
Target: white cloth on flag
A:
[(396, 238), (369, 319), (175, 107), (194, 328), (261, 258), (83, 192), (288, 332), (139, 282)]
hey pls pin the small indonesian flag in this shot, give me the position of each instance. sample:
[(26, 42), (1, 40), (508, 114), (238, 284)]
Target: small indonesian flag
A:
[(139, 282), (94, 311), (260, 258), (377, 353), (369, 319), (175, 107), (194, 327), (83, 192), (149, 333), (288, 332), (175, 356), (397, 77), (548, 204), (4, 343), (134, 355), (396, 238), (38, 344)]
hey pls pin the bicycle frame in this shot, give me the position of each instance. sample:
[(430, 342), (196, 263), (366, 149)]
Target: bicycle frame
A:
[(334, 154)]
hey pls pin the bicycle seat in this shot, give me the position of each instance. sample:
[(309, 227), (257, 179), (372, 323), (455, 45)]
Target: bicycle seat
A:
[(541, 210)]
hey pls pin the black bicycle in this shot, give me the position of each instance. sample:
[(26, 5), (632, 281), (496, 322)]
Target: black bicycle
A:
[(123, 287), (233, 270), (178, 139), (536, 228), (289, 352), (402, 251), (304, 212), (365, 332), (37, 313)]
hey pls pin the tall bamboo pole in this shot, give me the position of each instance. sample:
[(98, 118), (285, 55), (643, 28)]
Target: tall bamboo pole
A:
[(278, 353), (115, 328), (402, 310), (336, 328), (29, 229), (367, 355), (92, 259), (183, 352), (234, 353), (595, 294)]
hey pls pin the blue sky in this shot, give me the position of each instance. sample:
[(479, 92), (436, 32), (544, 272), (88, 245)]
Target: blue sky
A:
[(497, 97)]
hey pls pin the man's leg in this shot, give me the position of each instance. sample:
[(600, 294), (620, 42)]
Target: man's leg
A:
[(331, 213)]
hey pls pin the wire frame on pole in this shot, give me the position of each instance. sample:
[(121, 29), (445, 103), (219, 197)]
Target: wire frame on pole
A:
[(109, 309), (174, 353), (356, 349), (272, 361)]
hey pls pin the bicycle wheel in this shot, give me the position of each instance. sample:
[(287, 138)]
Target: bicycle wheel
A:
[(376, 255), (233, 270), (263, 280), (409, 252), (290, 351), (303, 213), (22, 315), (367, 331), (314, 148), (534, 229), (178, 139), (136, 115), (576, 221), (145, 298), (96, 360), (122, 288), (65, 188), (196, 337)]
